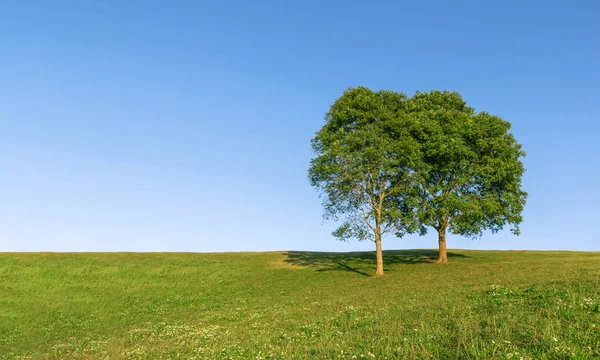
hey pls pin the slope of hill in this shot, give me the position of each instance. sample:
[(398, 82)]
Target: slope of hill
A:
[(301, 305)]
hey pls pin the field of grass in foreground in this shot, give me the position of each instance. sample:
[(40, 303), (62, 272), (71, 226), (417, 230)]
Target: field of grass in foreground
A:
[(300, 305)]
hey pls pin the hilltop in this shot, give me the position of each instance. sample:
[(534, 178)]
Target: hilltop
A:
[(301, 305)]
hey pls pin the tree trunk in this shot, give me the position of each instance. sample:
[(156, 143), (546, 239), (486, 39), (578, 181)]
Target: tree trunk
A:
[(443, 255), (379, 251)]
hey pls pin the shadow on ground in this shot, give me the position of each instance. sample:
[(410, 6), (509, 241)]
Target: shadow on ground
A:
[(356, 261)]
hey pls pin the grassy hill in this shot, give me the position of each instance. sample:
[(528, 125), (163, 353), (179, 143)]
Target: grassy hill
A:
[(301, 305)]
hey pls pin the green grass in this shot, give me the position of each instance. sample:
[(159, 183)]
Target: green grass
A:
[(482, 305)]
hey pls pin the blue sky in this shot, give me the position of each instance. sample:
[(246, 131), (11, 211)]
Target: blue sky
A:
[(186, 125)]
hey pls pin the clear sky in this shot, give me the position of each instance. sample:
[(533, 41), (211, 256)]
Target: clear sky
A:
[(186, 125)]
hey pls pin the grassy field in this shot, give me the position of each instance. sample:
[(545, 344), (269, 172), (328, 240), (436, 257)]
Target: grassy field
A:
[(300, 305)]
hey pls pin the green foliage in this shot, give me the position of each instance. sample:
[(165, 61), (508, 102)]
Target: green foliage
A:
[(469, 171), (299, 305), (364, 153), (407, 164)]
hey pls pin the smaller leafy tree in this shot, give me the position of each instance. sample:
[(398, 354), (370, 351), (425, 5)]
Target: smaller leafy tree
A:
[(468, 177), (362, 165)]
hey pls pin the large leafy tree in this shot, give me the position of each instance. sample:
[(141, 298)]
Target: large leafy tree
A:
[(468, 177), (363, 157)]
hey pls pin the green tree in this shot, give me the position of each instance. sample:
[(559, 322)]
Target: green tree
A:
[(468, 177), (364, 154)]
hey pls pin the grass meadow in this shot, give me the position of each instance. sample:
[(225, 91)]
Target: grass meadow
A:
[(300, 305)]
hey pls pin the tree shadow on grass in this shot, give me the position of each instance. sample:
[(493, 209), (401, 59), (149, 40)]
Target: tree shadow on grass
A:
[(356, 261)]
